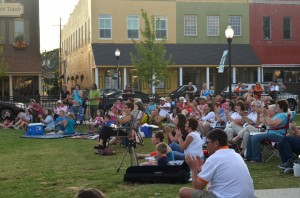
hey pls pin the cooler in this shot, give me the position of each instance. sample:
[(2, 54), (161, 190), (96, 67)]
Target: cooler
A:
[(35, 129), (147, 131)]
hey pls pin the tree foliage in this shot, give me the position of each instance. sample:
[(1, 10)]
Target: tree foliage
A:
[(3, 64), (150, 57)]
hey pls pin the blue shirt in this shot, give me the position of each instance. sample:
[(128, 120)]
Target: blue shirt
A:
[(49, 122), (70, 126), (60, 126), (76, 96), (282, 116)]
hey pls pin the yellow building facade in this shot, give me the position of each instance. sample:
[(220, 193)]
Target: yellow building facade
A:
[(82, 30), (96, 28)]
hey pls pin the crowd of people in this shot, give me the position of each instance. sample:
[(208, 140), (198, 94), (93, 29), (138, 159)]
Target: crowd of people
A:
[(191, 125)]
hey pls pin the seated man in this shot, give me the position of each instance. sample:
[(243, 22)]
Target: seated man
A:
[(223, 177), (289, 145)]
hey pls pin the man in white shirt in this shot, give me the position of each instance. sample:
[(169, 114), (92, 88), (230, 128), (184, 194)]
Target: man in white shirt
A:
[(224, 172), (164, 107)]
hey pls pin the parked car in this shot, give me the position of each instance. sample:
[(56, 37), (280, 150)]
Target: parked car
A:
[(108, 100), (107, 90), (13, 107), (291, 98), (180, 91)]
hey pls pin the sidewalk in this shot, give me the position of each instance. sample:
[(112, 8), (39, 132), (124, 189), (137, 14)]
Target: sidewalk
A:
[(278, 193)]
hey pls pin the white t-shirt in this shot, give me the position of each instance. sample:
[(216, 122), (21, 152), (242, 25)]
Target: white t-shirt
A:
[(211, 117), (163, 112), (195, 147), (236, 115), (252, 116), (227, 175)]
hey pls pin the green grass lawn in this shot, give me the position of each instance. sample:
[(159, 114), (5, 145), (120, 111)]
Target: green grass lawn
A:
[(60, 167)]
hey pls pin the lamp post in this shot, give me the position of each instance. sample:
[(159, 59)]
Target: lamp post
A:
[(117, 54), (229, 35)]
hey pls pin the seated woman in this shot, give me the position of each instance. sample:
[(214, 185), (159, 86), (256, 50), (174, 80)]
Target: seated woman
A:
[(155, 118), (69, 124), (192, 145), (280, 119), (60, 106), (122, 121), (150, 106), (47, 120), (207, 116), (235, 121), (181, 104), (171, 118), (24, 120), (243, 134), (180, 121)]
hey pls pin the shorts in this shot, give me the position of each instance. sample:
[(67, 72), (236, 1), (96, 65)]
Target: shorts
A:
[(203, 194)]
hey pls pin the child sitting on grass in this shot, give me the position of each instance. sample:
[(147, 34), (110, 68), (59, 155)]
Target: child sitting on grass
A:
[(161, 154), (162, 150), (69, 124), (8, 121), (97, 122)]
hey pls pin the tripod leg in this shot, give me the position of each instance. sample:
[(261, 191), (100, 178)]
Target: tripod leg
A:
[(124, 155), (134, 157)]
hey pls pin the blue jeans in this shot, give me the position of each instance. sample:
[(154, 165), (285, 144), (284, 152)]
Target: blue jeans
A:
[(254, 144), (287, 146), (177, 151)]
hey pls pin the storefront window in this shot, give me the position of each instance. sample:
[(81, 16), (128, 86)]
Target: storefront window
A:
[(25, 85), (287, 74), (111, 78)]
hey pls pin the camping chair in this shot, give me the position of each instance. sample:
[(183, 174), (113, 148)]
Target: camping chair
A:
[(131, 130), (269, 148)]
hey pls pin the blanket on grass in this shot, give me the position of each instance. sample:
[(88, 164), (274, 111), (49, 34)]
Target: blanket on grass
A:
[(54, 136)]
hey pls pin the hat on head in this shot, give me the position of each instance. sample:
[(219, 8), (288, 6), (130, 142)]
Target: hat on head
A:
[(162, 98), (59, 101), (203, 97), (120, 97), (32, 100)]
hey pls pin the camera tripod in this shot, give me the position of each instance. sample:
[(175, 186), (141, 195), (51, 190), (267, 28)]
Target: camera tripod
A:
[(131, 149)]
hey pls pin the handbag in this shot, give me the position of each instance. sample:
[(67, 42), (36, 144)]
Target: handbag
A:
[(107, 151)]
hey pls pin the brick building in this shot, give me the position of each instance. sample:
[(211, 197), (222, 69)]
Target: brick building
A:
[(20, 38)]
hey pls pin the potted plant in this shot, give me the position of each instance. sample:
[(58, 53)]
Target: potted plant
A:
[(20, 42)]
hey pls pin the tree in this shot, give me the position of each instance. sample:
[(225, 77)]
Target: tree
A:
[(150, 60), (2, 62)]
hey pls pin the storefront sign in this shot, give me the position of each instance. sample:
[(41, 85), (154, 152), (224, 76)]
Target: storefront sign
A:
[(11, 10)]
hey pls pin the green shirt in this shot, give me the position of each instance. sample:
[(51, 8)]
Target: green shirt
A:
[(93, 97)]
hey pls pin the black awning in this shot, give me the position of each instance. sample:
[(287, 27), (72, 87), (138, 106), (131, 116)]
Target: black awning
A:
[(182, 54)]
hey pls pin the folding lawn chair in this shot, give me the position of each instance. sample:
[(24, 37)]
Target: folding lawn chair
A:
[(269, 148), (131, 130)]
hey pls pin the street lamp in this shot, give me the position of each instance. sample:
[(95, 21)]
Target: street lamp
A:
[(229, 35), (117, 54)]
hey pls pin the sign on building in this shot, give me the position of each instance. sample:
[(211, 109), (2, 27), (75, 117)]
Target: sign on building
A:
[(222, 62)]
